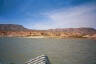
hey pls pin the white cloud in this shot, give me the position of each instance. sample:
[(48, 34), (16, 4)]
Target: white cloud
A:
[(78, 16)]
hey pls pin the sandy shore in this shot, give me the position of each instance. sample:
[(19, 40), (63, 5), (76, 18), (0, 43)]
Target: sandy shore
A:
[(35, 37)]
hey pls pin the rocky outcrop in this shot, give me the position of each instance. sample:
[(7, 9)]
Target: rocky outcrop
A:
[(83, 30), (11, 27)]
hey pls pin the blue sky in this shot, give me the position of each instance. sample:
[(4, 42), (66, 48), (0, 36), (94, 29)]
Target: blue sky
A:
[(47, 14)]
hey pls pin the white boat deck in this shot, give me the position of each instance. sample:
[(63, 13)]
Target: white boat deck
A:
[(39, 60)]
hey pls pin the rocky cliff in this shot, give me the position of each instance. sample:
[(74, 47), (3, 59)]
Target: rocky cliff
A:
[(11, 27), (82, 30)]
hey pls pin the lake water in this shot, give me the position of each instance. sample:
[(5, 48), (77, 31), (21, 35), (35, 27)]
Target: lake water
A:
[(59, 51)]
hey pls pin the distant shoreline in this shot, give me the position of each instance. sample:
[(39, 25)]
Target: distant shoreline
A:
[(37, 37), (13, 30)]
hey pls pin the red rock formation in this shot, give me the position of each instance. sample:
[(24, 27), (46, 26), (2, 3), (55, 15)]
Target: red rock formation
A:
[(11, 30)]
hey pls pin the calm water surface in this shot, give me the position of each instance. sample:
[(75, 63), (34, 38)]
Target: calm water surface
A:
[(59, 51)]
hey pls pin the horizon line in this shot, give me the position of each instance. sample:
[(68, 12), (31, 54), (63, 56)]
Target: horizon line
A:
[(49, 28)]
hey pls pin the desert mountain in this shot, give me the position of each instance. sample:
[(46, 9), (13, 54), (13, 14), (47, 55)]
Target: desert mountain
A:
[(84, 30), (11, 27)]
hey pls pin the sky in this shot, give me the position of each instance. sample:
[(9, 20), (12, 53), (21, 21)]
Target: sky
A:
[(49, 14)]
